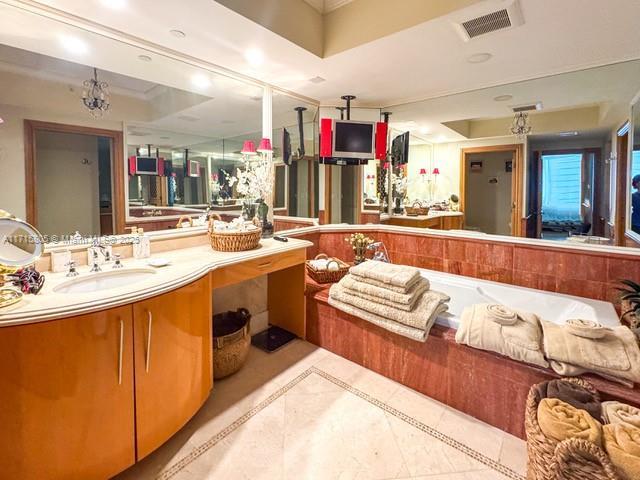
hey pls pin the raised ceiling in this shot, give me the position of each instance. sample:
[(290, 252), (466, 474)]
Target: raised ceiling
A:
[(425, 61), (326, 6)]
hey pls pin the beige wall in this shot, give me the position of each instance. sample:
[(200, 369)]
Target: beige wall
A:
[(487, 205), (67, 183)]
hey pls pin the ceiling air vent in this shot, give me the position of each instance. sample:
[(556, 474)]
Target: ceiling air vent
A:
[(494, 21)]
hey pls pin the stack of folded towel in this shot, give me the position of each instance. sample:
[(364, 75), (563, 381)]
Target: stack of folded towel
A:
[(496, 328), (582, 346), (394, 297), (567, 410)]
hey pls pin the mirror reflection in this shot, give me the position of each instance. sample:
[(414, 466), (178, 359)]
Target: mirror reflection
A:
[(634, 133)]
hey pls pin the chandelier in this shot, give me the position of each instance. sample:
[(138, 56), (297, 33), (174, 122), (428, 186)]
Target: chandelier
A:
[(95, 95), (520, 126)]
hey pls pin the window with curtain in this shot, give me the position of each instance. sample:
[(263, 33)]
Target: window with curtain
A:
[(561, 187)]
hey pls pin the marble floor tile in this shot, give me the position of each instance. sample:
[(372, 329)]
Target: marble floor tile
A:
[(305, 413)]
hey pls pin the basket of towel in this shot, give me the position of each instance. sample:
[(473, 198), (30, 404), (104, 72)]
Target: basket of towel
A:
[(235, 236), (325, 269), (572, 435)]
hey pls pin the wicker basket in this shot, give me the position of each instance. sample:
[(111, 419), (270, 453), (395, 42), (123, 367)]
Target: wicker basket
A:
[(571, 459), (417, 209), (231, 342), (233, 241), (327, 276)]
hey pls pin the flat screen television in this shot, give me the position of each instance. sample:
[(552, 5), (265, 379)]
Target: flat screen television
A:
[(353, 139), (193, 168), (146, 166), (400, 149)]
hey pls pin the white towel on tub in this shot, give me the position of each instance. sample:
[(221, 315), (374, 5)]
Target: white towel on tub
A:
[(402, 301), (399, 278), (521, 340)]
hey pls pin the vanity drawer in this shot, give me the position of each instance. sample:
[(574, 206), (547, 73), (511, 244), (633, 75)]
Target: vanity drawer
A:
[(257, 267)]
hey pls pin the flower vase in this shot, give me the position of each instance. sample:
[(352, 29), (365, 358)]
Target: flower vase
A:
[(248, 211), (359, 253), (398, 208), (267, 226)]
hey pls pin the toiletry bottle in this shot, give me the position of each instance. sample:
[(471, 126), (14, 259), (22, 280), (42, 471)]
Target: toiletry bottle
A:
[(142, 247)]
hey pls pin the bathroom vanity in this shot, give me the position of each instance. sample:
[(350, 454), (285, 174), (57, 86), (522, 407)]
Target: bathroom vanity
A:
[(435, 219), (93, 381)]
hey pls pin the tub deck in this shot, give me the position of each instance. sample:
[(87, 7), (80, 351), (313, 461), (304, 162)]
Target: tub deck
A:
[(485, 385)]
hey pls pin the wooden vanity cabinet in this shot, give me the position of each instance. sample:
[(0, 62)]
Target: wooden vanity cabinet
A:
[(66, 397), (173, 361)]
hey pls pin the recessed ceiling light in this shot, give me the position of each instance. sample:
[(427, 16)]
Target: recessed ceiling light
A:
[(503, 98), (200, 80), (1, 120), (254, 56), (74, 45), (424, 130), (479, 57), (114, 4), (144, 58), (178, 33)]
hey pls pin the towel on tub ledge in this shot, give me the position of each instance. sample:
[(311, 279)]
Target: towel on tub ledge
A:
[(617, 412), (560, 421), (421, 319), (495, 328), (622, 444), (384, 296), (615, 355), (398, 278)]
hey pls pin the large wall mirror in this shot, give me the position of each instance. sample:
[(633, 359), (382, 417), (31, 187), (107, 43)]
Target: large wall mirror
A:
[(157, 157), (633, 135)]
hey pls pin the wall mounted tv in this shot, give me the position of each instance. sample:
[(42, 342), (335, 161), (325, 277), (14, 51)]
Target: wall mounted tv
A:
[(353, 139), (400, 149), (145, 166), (342, 161)]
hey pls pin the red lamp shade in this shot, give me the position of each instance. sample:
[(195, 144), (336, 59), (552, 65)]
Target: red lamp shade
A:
[(423, 171), (265, 146), (248, 148), (436, 171)]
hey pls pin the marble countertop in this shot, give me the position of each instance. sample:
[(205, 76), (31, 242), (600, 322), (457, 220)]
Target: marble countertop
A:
[(186, 265)]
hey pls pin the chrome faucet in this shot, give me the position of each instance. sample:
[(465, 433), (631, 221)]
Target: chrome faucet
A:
[(95, 267), (72, 269), (380, 252), (103, 249)]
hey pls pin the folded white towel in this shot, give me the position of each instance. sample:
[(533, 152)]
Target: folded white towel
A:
[(398, 278), (391, 298)]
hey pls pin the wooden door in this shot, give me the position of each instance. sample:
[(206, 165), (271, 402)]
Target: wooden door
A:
[(66, 397), (173, 361)]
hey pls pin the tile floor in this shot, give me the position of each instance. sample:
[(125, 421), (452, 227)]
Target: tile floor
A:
[(305, 413)]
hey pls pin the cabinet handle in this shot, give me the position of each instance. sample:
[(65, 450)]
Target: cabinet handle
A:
[(121, 348), (148, 355)]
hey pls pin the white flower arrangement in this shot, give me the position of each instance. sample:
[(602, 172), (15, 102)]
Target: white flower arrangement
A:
[(400, 182), (255, 179)]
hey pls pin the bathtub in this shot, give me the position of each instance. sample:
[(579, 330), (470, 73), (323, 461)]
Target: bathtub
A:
[(553, 307)]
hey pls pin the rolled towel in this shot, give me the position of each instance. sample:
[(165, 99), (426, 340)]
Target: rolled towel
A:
[(367, 291), (615, 355), (399, 278), (521, 341), (429, 306), (501, 314), (573, 394), (585, 328), (559, 420), (617, 412), (622, 444)]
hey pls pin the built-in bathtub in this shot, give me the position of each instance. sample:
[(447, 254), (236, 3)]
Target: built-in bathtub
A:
[(553, 307)]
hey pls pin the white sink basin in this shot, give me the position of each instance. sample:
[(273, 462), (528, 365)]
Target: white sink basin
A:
[(94, 282)]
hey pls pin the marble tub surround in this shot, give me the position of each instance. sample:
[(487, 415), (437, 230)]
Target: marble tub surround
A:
[(186, 265), (291, 415), (581, 270)]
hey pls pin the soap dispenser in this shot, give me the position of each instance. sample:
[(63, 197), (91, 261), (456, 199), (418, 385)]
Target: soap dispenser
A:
[(142, 247)]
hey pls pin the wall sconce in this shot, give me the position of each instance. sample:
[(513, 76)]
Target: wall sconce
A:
[(265, 146), (248, 148)]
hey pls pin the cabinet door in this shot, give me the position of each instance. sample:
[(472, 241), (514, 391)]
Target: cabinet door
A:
[(66, 397), (173, 361)]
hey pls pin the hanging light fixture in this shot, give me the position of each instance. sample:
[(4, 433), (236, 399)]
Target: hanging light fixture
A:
[(95, 95), (520, 126)]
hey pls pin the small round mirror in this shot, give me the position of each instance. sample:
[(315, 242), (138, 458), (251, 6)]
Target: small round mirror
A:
[(20, 243)]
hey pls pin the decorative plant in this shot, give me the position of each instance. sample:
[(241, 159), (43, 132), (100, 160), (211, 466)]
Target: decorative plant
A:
[(630, 303), (359, 243)]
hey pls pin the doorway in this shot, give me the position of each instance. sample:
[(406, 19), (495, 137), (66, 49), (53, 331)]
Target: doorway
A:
[(74, 179), (490, 188)]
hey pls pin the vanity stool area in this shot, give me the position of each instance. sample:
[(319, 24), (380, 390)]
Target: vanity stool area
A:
[(96, 384)]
